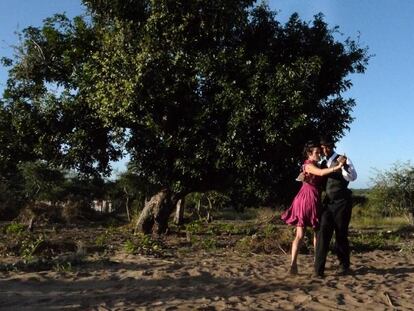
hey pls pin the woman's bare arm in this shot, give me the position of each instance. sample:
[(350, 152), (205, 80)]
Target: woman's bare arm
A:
[(313, 169)]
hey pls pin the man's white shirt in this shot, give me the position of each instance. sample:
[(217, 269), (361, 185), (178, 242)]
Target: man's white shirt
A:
[(350, 173)]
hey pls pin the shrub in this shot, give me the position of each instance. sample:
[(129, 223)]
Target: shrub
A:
[(393, 191)]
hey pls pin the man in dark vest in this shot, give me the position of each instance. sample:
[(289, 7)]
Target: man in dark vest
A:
[(336, 211)]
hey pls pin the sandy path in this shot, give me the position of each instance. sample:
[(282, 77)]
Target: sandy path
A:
[(382, 280)]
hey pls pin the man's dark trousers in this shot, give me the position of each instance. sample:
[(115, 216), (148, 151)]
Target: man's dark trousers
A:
[(335, 217)]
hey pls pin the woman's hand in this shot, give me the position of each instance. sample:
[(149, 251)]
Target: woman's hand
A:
[(338, 166)]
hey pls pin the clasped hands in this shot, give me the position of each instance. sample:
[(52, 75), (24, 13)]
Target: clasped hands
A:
[(342, 159)]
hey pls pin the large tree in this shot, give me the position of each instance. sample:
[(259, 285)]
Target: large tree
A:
[(204, 95)]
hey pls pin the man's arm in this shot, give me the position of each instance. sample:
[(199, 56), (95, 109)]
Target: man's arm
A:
[(348, 170)]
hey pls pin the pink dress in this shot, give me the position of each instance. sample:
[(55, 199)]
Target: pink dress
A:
[(304, 209)]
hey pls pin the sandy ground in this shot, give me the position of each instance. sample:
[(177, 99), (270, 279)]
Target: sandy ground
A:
[(381, 280)]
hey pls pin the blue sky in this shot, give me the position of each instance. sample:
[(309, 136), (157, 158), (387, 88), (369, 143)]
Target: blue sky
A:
[(382, 132)]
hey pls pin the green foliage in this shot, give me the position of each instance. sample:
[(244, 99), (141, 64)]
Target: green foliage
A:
[(41, 181), (220, 228), (195, 227), (63, 267), (208, 244), (233, 214), (369, 217), (14, 228), (102, 239), (131, 187), (375, 240), (204, 205), (268, 238), (204, 95), (23, 244), (49, 118), (143, 244), (29, 247), (270, 230), (393, 190)]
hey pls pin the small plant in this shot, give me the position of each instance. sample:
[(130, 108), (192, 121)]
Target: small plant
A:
[(373, 241), (270, 230), (29, 247), (244, 245), (130, 247), (143, 244), (195, 227), (268, 239), (232, 229), (15, 228), (102, 239), (208, 244), (63, 267)]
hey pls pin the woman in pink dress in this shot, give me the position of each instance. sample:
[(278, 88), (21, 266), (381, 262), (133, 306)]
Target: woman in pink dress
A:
[(304, 209)]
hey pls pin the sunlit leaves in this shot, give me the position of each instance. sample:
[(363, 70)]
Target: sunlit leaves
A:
[(202, 94)]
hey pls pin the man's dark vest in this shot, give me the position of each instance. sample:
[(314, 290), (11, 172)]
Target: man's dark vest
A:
[(336, 185)]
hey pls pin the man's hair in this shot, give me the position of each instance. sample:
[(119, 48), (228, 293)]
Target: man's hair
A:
[(327, 141)]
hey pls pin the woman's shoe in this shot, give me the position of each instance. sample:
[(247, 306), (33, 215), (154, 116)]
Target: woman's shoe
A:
[(293, 270)]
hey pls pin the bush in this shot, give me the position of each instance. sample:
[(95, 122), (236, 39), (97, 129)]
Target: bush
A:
[(14, 228), (393, 191)]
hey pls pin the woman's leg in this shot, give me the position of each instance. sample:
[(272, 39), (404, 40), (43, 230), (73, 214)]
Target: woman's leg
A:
[(300, 231)]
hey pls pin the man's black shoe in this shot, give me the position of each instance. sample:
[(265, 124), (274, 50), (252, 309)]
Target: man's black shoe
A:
[(317, 275), (343, 270)]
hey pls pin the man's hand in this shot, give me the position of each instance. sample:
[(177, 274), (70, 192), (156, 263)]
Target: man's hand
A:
[(342, 159)]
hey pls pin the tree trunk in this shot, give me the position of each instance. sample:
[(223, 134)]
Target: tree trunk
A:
[(179, 212), (127, 204), (411, 217), (198, 208), (209, 218), (154, 217), (127, 209), (164, 213), (146, 219)]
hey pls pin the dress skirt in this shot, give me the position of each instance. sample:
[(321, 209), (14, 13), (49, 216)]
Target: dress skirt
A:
[(304, 209)]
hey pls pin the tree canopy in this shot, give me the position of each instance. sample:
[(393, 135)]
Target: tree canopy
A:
[(203, 95)]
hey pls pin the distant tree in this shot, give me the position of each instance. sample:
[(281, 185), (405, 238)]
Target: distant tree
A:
[(393, 191), (134, 189), (84, 188), (41, 182), (204, 95)]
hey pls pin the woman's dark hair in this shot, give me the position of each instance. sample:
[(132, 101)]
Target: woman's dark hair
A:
[(309, 146)]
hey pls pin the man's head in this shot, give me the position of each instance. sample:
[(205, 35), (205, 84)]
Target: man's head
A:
[(327, 146)]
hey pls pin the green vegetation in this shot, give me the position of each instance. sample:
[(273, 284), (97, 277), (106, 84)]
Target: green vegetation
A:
[(367, 217), (14, 228), (64, 267), (213, 101), (143, 244), (63, 249), (213, 97), (393, 191), (29, 246)]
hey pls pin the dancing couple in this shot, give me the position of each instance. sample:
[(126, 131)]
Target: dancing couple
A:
[(332, 175)]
